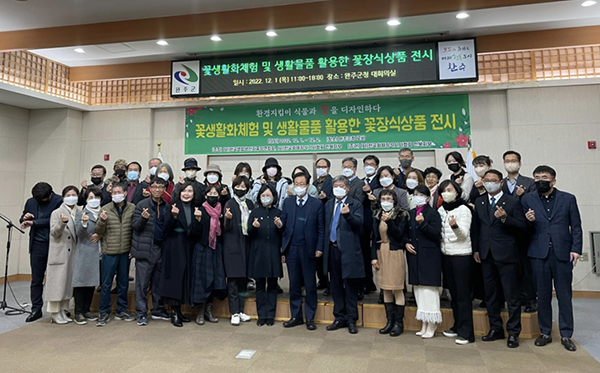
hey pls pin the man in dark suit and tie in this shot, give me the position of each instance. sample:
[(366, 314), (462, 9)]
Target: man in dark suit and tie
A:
[(325, 189), (36, 216), (498, 221), (302, 218), (517, 185), (343, 255), (556, 244), (371, 165)]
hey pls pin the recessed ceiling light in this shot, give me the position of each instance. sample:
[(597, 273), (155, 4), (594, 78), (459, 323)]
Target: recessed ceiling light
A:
[(271, 33), (215, 38), (588, 3), (331, 28), (462, 15), (393, 22), (79, 50), (162, 42)]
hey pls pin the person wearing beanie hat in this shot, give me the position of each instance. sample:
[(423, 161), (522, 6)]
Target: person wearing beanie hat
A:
[(271, 176), (214, 176), (191, 168), (120, 171)]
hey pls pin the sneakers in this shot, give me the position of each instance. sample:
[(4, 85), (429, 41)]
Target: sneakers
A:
[(450, 334), (80, 320), (461, 341), (161, 316), (244, 317), (235, 319), (90, 316), (103, 319), (124, 316), (142, 320)]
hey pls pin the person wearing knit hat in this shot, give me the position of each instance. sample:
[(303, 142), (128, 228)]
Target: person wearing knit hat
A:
[(214, 176), (120, 171), (272, 176)]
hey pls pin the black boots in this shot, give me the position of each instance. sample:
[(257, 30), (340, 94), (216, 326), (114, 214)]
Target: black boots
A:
[(390, 315), (208, 313), (398, 322), (180, 314), (175, 317)]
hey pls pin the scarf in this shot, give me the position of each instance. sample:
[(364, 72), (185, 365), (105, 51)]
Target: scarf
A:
[(462, 172), (420, 209), (451, 206), (394, 212), (245, 213), (215, 223), (95, 212)]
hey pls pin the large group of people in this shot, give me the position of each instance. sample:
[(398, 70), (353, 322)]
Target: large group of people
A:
[(500, 239)]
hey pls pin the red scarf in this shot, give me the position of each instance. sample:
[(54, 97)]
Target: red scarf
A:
[(215, 223)]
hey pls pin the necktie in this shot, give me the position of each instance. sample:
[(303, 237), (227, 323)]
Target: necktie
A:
[(334, 224), (300, 202), (493, 202)]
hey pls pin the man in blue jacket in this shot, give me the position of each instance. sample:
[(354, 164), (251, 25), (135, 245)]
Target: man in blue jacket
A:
[(302, 218), (556, 244), (36, 215)]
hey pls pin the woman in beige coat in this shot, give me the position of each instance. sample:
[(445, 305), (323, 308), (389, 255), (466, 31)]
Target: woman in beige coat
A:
[(61, 255)]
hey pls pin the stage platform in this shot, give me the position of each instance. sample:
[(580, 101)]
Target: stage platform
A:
[(371, 314)]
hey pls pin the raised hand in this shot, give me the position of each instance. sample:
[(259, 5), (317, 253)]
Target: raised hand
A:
[(228, 214), (345, 209), (84, 217), (175, 211), (452, 221), (420, 218), (397, 171), (520, 190), (255, 223), (64, 218), (366, 188), (322, 195), (290, 192), (145, 193), (385, 216), (530, 215), (278, 222), (224, 191), (197, 213), (372, 197), (103, 216), (500, 213), (181, 181), (262, 179), (84, 184), (145, 214)]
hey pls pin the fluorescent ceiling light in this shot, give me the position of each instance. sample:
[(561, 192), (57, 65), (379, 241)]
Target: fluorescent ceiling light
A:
[(79, 50), (162, 42), (215, 38), (462, 15), (331, 28), (393, 22), (271, 33), (588, 3)]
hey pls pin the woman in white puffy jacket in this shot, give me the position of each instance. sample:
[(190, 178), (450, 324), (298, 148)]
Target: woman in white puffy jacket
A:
[(456, 259)]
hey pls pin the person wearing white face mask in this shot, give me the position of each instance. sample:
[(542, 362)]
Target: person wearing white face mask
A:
[(387, 180), (517, 185), (86, 272), (343, 257), (61, 256), (312, 190), (349, 165), (114, 229), (272, 176), (371, 182), (411, 180), (456, 260), (498, 222), (190, 168), (152, 168), (389, 259), (422, 244), (134, 188), (323, 179), (165, 172), (481, 164)]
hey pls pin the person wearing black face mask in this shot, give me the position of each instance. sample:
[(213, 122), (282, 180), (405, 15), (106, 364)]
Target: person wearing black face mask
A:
[(36, 216), (555, 247), (120, 171), (456, 165), (235, 248), (207, 270), (97, 176), (406, 159)]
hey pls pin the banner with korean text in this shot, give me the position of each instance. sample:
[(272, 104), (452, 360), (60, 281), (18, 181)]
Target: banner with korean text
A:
[(430, 122)]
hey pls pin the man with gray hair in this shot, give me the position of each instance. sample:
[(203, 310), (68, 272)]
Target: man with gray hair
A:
[(406, 159), (349, 165), (343, 224)]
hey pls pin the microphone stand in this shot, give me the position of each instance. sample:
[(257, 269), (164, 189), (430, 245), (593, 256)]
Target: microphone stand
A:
[(3, 305)]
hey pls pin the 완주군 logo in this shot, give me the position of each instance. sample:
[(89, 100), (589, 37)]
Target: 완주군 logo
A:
[(185, 79)]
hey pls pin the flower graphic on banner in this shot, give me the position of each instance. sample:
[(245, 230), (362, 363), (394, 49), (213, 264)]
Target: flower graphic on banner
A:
[(447, 145), (462, 140), (193, 110)]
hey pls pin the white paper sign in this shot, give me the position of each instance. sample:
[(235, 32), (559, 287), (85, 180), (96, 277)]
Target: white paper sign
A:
[(185, 78), (457, 59), (245, 354)]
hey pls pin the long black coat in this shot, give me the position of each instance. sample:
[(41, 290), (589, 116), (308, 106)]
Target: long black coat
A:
[(264, 259), (348, 233), (235, 244), (180, 238), (425, 268)]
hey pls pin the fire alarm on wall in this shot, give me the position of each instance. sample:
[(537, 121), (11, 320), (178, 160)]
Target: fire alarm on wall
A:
[(107, 157), (592, 144)]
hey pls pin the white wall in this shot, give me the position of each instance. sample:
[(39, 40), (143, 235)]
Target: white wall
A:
[(14, 124)]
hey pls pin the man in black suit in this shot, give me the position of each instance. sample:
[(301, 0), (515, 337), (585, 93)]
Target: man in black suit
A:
[(405, 160), (343, 255), (135, 188), (517, 185), (302, 218), (371, 182), (324, 185), (555, 247), (498, 221), (349, 165), (97, 176), (36, 216)]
